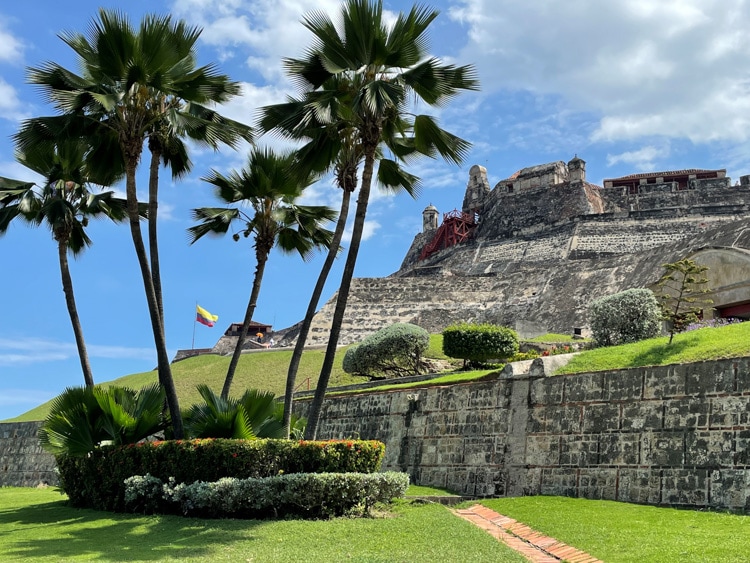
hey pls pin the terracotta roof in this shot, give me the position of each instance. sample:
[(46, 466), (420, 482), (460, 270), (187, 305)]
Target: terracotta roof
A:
[(667, 173)]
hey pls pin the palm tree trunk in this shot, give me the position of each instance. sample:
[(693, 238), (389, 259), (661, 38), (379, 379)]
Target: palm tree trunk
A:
[(343, 295), (67, 282), (299, 347), (165, 371), (259, 269), (153, 243)]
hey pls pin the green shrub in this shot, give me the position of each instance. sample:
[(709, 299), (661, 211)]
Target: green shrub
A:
[(96, 480), (310, 495), (82, 418), (479, 343), (254, 415), (628, 316), (395, 350)]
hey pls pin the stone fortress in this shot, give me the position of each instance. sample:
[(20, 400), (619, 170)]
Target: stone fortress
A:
[(535, 250)]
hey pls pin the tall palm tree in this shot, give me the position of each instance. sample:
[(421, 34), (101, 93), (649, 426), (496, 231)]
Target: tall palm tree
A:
[(331, 146), (64, 203), (269, 186), (135, 85), (387, 67)]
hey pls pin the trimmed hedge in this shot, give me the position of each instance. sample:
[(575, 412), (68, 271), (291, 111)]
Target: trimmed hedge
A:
[(97, 480), (307, 495), (479, 342), (393, 350)]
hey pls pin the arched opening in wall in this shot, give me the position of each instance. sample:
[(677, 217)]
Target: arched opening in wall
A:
[(738, 310)]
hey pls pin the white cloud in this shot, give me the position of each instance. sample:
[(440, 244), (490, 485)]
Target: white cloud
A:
[(642, 159), (368, 231), (672, 68), (31, 350), (11, 48), (11, 106), (268, 29)]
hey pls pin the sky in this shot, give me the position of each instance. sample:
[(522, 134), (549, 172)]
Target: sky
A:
[(627, 85)]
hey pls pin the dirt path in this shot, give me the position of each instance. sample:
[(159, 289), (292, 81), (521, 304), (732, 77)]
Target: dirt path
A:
[(533, 545)]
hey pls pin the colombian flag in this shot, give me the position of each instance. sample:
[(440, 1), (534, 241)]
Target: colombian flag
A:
[(204, 317)]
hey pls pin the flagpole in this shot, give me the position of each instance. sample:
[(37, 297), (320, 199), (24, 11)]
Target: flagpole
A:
[(195, 320)]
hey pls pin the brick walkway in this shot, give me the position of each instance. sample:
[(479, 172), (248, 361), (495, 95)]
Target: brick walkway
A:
[(531, 544)]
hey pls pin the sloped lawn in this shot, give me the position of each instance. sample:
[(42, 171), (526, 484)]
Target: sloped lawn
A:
[(36, 525), (618, 532)]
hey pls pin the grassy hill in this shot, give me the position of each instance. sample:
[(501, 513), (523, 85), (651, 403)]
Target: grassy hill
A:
[(257, 370), (267, 370)]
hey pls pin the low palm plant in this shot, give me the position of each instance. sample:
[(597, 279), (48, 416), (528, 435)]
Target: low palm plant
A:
[(82, 419), (254, 415)]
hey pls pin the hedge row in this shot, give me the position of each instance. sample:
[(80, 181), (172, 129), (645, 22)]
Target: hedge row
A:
[(479, 342), (97, 480), (307, 495)]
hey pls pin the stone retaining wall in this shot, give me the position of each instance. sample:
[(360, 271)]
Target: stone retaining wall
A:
[(23, 463), (672, 435)]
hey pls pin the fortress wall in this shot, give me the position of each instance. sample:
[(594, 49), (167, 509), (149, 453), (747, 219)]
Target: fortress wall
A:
[(670, 435), (23, 462), (712, 191)]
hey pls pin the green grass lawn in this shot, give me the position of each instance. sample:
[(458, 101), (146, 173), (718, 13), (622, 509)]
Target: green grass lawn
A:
[(617, 532), (36, 525), (730, 341)]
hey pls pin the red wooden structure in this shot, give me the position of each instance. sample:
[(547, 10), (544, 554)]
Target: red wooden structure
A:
[(457, 227)]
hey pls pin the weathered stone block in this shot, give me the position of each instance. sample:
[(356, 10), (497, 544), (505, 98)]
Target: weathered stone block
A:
[(685, 487), (486, 397), (433, 477), (709, 448), (707, 378), (729, 488), (642, 416), (664, 382), (563, 420), (579, 449), (547, 391), (690, 412), (742, 447), (619, 449), (559, 481), (741, 367), (641, 486), (450, 451), (601, 418), (542, 450), (583, 388), (597, 483), (623, 385), (728, 412), (479, 451), (452, 398), (537, 421), (662, 448)]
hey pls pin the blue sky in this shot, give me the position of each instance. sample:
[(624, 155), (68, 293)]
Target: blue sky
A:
[(627, 85)]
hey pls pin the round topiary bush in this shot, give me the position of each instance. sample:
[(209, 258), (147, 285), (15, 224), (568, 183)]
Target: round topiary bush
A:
[(392, 351), (479, 343), (628, 316)]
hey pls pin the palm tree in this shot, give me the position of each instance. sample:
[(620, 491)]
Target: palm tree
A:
[(331, 145), (387, 67), (269, 186), (138, 85), (65, 204)]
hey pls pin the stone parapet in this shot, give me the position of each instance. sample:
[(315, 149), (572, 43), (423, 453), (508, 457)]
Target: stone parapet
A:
[(23, 462), (671, 435)]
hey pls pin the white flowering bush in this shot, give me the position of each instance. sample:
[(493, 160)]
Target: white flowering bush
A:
[(309, 495), (628, 316)]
